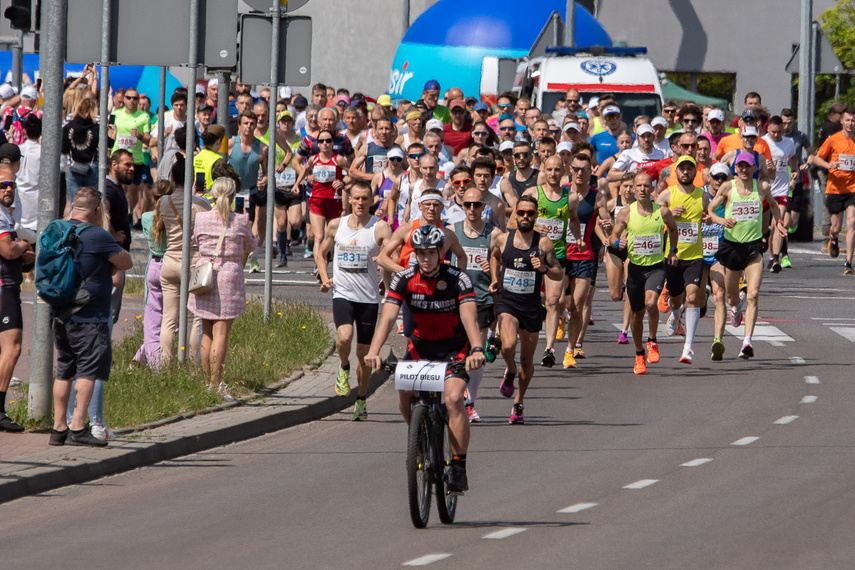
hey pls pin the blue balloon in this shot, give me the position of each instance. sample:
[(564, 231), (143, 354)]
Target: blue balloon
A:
[(449, 40)]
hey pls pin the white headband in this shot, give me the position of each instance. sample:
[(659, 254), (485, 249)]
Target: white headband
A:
[(430, 196)]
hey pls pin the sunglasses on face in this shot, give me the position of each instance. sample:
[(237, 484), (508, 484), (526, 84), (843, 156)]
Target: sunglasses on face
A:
[(507, 128), (416, 156), (527, 213), (461, 182), (129, 98), (714, 122), (475, 205), (688, 146), (555, 132), (579, 169), (521, 155), (571, 100), (396, 159), (695, 121), (669, 111), (720, 177), (506, 106), (325, 141), (500, 168), (457, 110), (611, 116), (8, 185), (480, 133)]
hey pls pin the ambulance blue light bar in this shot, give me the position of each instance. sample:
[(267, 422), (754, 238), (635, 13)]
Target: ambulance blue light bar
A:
[(596, 50)]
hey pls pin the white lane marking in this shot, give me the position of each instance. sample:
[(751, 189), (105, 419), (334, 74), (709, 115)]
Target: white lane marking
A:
[(500, 534), (808, 399), (811, 379), (812, 297), (797, 360), (832, 319), (786, 420), (776, 343), (426, 559), (641, 484), (578, 507), (745, 440), (762, 331), (846, 332), (696, 462)]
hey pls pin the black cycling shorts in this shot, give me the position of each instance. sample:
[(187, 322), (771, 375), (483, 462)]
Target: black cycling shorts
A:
[(363, 317), (448, 350), (685, 272), (643, 278), (10, 311), (286, 198)]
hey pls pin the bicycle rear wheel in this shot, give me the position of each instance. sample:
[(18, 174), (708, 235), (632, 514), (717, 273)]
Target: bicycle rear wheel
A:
[(446, 504), (419, 466)]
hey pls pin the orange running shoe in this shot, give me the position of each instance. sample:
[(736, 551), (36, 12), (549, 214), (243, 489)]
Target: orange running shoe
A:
[(664, 301), (652, 352), (640, 367)]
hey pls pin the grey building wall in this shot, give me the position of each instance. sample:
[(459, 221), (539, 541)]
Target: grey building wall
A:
[(354, 41), (751, 38)]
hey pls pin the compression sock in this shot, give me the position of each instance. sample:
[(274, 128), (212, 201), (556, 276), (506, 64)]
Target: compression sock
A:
[(747, 340), (475, 377), (459, 460), (282, 240), (693, 315), (639, 353), (651, 339), (345, 365), (785, 249)]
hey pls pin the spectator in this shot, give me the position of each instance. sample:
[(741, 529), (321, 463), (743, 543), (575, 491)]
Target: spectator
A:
[(28, 176), (170, 210), (226, 239), (80, 145), (84, 352), (121, 173)]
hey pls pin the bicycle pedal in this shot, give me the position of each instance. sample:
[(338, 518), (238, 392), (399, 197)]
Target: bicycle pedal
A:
[(455, 493)]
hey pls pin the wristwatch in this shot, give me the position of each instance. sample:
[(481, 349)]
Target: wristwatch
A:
[(476, 349)]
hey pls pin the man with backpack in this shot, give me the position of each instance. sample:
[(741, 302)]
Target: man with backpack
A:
[(81, 332)]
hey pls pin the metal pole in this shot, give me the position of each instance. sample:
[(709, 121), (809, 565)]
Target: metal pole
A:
[(52, 56), (570, 24), (103, 109), (161, 113), (271, 158), (814, 56), (556, 39), (224, 86), (406, 19), (837, 87), (18, 62), (193, 61), (804, 67)]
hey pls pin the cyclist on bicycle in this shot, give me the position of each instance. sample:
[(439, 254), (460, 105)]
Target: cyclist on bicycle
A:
[(442, 302)]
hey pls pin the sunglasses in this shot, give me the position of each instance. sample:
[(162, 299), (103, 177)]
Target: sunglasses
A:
[(571, 100), (507, 128), (689, 146), (500, 168), (506, 106), (669, 111), (691, 121), (720, 177), (8, 184), (532, 213), (131, 98), (396, 159), (611, 116), (475, 205), (461, 182), (580, 168), (480, 133), (457, 110), (415, 156), (325, 141), (521, 155), (555, 132), (714, 122)]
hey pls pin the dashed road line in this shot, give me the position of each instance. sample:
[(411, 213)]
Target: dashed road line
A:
[(745, 440), (797, 360), (500, 534), (811, 380), (762, 331), (578, 507), (641, 484), (846, 332), (808, 400), (696, 462), (786, 420), (426, 559)]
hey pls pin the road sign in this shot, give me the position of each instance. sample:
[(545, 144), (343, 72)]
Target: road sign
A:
[(295, 50), (827, 62), (153, 32), (266, 5)]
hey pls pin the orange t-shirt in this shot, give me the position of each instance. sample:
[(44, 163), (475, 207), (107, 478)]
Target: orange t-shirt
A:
[(734, 142), (837, 147), (699, 177)]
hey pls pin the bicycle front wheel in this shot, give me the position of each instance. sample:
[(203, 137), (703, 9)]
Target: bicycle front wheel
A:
[(446, 504), (419, 466)]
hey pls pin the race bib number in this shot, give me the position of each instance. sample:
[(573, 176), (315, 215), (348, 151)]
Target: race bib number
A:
[(126, 142), (521, 282), (647, 245), (847, 162), (571, 238), (420, 375), (746, 211), (379, 163), (710, 246), (782, 166), (286, 179), (554, 228), (687, 232), (323, 173), (475, 256), (352, 258)]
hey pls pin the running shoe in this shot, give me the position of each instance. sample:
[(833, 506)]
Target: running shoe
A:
[(342, 382), (680, 330), (686, 357), (10, 425), (507, 388), (623, 337), (746, 352), (569, 360), (717, 350), (517, 415), (578, 353), (254, 267), (652, 352), (737, 312), (456, 480), (360, 411), (401, 328), (494, 347), (283, 262), (785, 262), (559, 334), (102, 432), (473, 416), (847, 270), (640, 367), (776, 266), (223, 391), (833, 247), (308, 254), (672, 324), (548, 359), (591, 321), (664, 301)]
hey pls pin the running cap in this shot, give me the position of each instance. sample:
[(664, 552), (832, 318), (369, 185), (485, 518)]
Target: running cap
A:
[(434, 124), (395, 152), (749, 114), (204, 107), (505, 117), (611, 110), (594, 102), (342, 99), (29, 93), (686, 158), (719, 168), (480, 107), (300, 102), (284, 114), (745, 157), (6, 91), (384, 101), (659, 121), (431, 85), (200, 90), (749, 131), (285, 92), (716, 115), (506, 145), (644, 129), (9, 153), (457, 103), (574, 126), (564, 145)]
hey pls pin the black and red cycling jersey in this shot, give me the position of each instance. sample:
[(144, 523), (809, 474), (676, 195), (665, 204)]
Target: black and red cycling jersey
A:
[(433, 301)]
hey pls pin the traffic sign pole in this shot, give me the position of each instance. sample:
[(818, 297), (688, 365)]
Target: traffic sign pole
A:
[(276, 14)]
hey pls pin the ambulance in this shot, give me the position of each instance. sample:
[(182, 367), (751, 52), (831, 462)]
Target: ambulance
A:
[(593, 71)]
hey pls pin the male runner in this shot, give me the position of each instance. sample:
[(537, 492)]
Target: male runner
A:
[(522, 178), (785, 168), (442, 302), (645, 223), (357, 239), (520, 258)]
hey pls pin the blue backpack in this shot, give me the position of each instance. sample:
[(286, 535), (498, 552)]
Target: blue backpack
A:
[(58, 281)]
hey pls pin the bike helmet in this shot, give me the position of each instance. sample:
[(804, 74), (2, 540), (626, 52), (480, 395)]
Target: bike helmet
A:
[(427, 237)]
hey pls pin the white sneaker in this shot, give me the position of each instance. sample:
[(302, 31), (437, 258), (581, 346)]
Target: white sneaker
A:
[(672, 324), (102, 432), (223, 391), (686, 358)]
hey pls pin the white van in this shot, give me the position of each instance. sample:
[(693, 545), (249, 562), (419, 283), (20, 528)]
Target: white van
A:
[(623, 72)]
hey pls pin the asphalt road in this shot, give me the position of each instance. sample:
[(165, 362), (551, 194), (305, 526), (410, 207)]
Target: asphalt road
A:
[(715, 465)]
